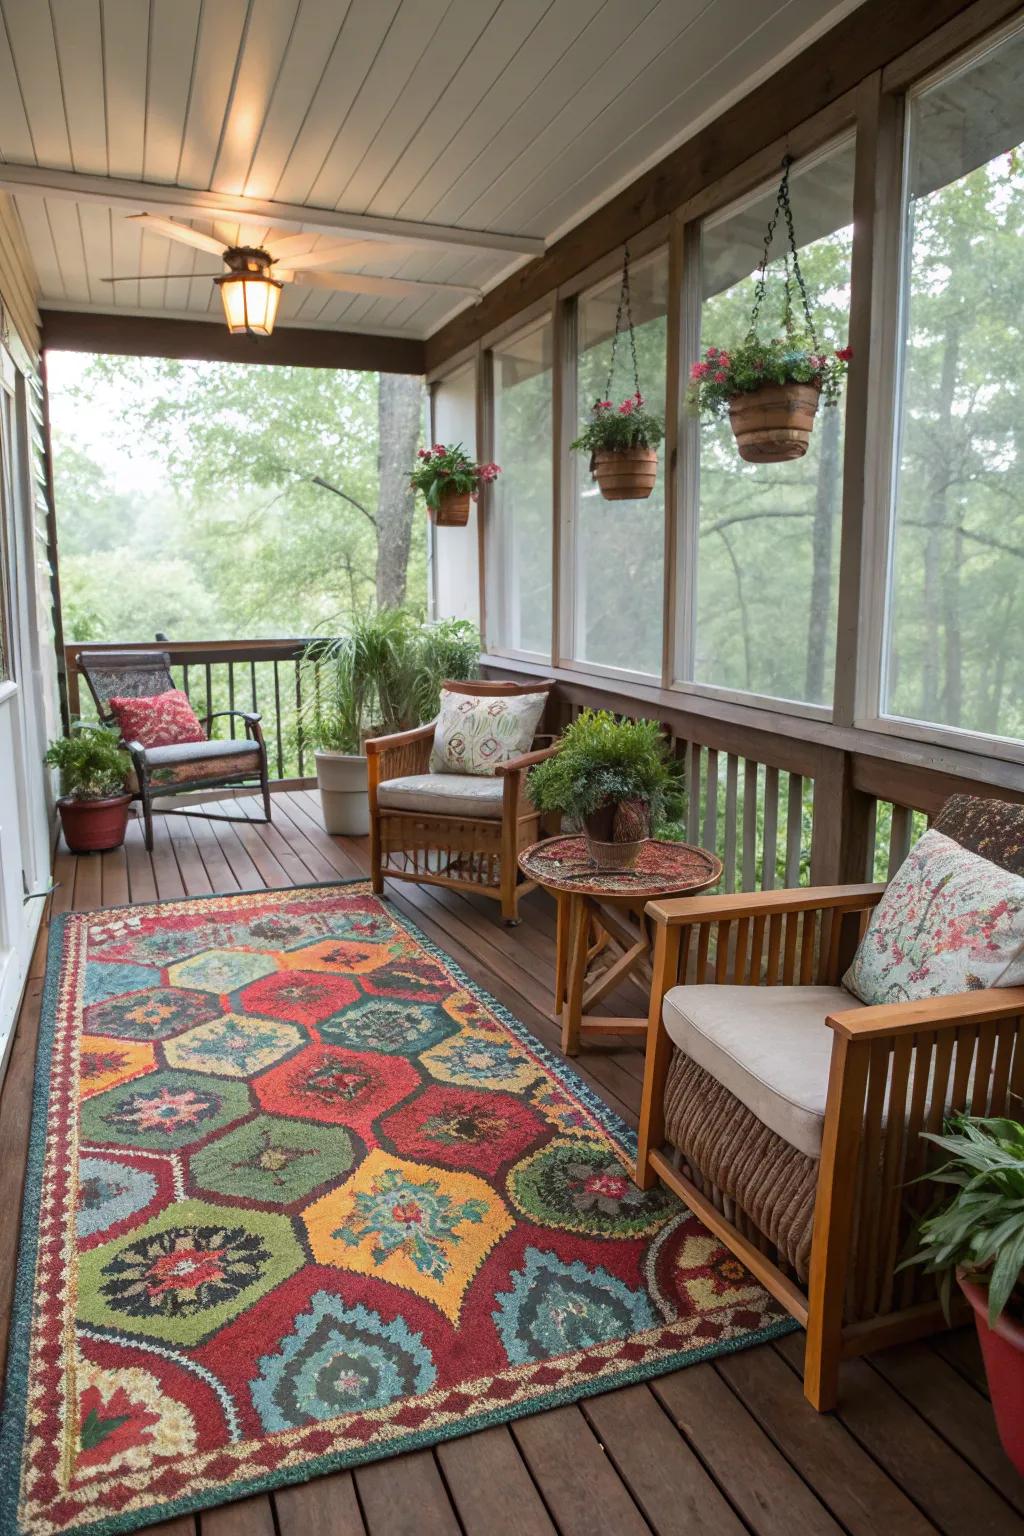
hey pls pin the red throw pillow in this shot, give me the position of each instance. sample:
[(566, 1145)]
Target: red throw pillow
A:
[(162, 720)]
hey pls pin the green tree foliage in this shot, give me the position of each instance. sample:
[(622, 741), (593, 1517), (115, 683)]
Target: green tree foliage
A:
[(280, 510)]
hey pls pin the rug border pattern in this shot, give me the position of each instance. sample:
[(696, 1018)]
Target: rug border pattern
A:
[(655, 1361)]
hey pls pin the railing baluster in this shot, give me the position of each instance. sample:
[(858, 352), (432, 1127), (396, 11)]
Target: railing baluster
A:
[(693, 792), (899, 836), (277, 721), (298, 714), (794, 828), (749, 824), (732, 767), (771, 828), (711, 803)]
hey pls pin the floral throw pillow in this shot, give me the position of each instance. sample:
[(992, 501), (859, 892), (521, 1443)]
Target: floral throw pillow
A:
[(949, 922), (162, 720), (475, 733)]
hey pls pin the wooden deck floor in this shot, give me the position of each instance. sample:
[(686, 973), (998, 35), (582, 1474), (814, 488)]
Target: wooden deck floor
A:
[(724, 1447)]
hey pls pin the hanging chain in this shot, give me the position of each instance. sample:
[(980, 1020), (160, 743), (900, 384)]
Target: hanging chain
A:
[(785, 207), (625, 303)]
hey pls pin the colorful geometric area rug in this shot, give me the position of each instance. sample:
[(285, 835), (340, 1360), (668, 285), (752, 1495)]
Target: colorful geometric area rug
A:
[(300, 1195)]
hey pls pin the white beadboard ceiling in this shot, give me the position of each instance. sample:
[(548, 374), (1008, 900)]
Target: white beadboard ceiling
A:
[(498, 116)]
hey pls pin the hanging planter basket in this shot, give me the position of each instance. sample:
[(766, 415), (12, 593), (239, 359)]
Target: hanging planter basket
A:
[(626, 474), (622, 441), (772, 421), (452, 510)]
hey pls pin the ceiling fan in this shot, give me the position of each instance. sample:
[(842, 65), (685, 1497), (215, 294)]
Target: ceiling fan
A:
[(250, 290)]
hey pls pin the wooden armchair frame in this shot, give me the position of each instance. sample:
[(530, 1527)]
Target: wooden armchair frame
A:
[(895, 1071), (463, 852)]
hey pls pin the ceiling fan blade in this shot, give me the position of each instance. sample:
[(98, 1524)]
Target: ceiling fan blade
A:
[(383, 287), (157, 277), (348, 251), (175, 231)]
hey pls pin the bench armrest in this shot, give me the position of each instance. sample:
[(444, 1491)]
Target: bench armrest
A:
[(676, 911)]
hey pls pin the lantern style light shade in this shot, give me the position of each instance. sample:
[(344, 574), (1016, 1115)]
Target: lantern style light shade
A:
[(248, 292)]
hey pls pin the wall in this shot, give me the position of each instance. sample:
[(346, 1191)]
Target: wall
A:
[(455, 551)]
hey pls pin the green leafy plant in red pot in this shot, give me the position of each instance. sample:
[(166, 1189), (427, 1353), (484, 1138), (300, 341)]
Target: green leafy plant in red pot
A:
[(977, 1235), (94, 796), (449, 480)]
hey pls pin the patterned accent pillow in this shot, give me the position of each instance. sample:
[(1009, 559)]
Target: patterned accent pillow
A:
[(474, 733), (949, 922), (162, 720)]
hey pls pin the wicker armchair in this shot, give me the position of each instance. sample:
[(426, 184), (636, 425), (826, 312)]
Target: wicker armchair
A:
[(459, 830), (175, 770), (788, 1115)]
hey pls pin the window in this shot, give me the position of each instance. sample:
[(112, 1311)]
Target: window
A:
[(956, 595), (519, 541), (767, 535), (618, 546)]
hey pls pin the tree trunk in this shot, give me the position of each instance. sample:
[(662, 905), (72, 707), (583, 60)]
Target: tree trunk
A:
[(826, 505), (942, 579), (399, 423)]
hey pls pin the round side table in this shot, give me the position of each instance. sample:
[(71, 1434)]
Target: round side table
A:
[(601, 914)]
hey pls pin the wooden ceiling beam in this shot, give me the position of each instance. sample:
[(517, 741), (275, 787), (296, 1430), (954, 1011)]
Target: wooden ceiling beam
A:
[(131, 197), (126, 335)]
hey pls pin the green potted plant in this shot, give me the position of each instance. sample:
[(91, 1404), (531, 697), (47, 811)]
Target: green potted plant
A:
[(384, 674), (615, 778), (448, 479), (770, 391), (94, 798), (977, 1235), (622, 442)]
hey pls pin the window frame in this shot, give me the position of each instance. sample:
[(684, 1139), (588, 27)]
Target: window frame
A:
[(889, 307)]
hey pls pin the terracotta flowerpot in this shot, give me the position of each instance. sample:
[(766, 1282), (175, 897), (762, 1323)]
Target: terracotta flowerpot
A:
[(773, 424), (453, 511), (628, 474), (94, 826), (1002, 1349)]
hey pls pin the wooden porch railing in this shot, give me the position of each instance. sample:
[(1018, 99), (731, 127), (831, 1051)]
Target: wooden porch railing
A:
[(262, 675)]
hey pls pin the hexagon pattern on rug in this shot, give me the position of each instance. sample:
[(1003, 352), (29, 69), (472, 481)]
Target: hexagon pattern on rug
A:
[(308, 1196)]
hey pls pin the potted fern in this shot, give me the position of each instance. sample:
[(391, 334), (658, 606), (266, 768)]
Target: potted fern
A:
[(613, 777), (977, 1235), (383, 674), (94, 798)]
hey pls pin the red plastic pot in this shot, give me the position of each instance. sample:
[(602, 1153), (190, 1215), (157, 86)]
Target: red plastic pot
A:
[(1002, 1349), (93, 826)]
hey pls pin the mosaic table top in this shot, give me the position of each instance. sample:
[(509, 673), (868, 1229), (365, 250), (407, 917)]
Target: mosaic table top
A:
[(662, 869)]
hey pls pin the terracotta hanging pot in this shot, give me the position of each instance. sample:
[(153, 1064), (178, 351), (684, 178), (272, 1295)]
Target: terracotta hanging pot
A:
[(773, 424), (625, 474), (453, 510)]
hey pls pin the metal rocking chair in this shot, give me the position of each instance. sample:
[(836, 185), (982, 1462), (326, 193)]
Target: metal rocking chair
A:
[(183, 768)]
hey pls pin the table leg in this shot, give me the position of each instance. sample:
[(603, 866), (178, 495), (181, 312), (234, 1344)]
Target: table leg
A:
[(561, 948), (578, 936)]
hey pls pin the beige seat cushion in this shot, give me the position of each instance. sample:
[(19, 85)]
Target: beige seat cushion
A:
[(769, 1046), (444, 794)]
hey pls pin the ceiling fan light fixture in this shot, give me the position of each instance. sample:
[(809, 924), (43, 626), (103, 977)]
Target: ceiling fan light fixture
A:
[(248, 292)]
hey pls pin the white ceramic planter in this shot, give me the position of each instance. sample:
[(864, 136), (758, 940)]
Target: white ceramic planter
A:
[(341, 778)]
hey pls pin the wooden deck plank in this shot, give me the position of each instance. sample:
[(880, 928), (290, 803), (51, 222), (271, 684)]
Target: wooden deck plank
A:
[(327, 1506), (405, 1496), (725, 1447), (939, 1481), (580, 1486), (859, 1493), (665, 1477), (950, 1405), (769, 1495), (490, 1486)]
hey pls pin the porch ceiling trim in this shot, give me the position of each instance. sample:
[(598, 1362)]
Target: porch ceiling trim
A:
[(69, 330), (868, 39), (189, 203)]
